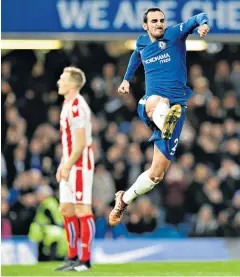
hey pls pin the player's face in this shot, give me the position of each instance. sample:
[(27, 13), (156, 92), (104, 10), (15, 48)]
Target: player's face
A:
[(64, 84), (155, 25)]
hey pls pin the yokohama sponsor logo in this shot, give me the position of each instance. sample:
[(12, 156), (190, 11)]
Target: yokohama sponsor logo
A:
[(164, 57)]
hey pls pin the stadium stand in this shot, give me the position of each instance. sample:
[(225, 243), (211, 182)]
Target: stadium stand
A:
[(200, 195)]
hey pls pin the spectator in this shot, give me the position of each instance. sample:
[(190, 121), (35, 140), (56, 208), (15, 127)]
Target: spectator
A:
[(205, 225), (211, 194), (135, 162), (222, 78), (229, 218), (142, 218), (202, 96), (235, 77), (195, 72), (230, 129), (21, 214), (6, 226), (175, 187), (103, 185), (231, 105)]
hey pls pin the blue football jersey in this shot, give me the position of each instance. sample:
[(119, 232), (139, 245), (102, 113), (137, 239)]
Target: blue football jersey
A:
[(164, 61)]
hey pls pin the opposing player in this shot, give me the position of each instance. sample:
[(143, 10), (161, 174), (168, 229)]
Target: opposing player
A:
[(163, 54), (75, 173)]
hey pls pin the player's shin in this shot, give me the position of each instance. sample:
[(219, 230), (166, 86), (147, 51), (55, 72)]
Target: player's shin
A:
[(87, 234), (71, 225), (159, 114), (142, 185)]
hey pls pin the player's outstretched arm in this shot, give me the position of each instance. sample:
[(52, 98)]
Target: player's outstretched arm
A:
[(134, 62), (200, 20)]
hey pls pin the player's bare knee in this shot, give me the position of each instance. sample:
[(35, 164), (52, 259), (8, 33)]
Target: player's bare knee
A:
[(66, 210), (63, 211), (151, 104), (156, 178), (83, 210), (165, 100)]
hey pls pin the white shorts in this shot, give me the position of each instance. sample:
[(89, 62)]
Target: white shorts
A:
[(78, 188)]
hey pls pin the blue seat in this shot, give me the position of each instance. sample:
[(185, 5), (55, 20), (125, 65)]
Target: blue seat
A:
[(103, 230), (184, 229), (166, 231)]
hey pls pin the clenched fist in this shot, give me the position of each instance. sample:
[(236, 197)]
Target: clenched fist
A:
[(124, 87), (203, 30)]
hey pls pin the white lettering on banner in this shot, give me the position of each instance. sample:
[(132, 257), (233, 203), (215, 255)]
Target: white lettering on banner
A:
[(218, 15), (125, 15), (226, 15), (8, 253), (167, 7), (74, 14), (18, 253), (97, 15), (234, 15), (140, 8), (25, 254)]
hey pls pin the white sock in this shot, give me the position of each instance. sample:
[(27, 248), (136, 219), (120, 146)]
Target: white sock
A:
[(159, 114), (142, 185)]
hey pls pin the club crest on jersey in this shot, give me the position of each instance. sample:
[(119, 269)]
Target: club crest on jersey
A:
[(162, 45), (79, 194), (74, 108)]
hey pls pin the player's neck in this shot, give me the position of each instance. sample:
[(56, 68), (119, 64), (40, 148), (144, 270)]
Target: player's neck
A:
[(153, 39), (71, 95)]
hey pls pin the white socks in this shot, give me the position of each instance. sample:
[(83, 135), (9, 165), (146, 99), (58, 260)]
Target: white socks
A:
[(159, 114), (142, 185)]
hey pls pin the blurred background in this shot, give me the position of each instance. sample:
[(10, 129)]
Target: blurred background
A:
[(200, 195)]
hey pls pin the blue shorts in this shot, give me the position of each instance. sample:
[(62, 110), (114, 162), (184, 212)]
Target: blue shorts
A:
[(167, 147)]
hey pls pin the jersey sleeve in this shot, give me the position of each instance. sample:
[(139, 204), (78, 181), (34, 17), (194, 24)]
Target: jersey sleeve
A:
[(78, 116), (134, 62), (188, 26)]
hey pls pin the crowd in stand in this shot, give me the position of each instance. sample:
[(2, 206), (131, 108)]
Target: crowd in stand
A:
[(200, 195)]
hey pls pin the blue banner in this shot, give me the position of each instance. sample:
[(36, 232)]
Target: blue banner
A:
[(23, 251), (152, 250), (18, 250), (111, 16)]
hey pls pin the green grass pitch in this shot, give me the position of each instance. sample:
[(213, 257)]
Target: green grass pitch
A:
[(220, 268)]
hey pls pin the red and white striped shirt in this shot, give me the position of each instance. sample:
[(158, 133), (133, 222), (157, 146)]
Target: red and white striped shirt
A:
[(76, 114)]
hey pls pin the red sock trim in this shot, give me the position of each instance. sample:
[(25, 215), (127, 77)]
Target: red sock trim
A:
[(71, 225), (87, 235)]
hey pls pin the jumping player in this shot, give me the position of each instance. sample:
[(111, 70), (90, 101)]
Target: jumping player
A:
[(75, 173), (162, 51)]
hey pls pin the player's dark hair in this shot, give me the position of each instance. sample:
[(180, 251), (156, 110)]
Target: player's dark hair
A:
[(150, 10)]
